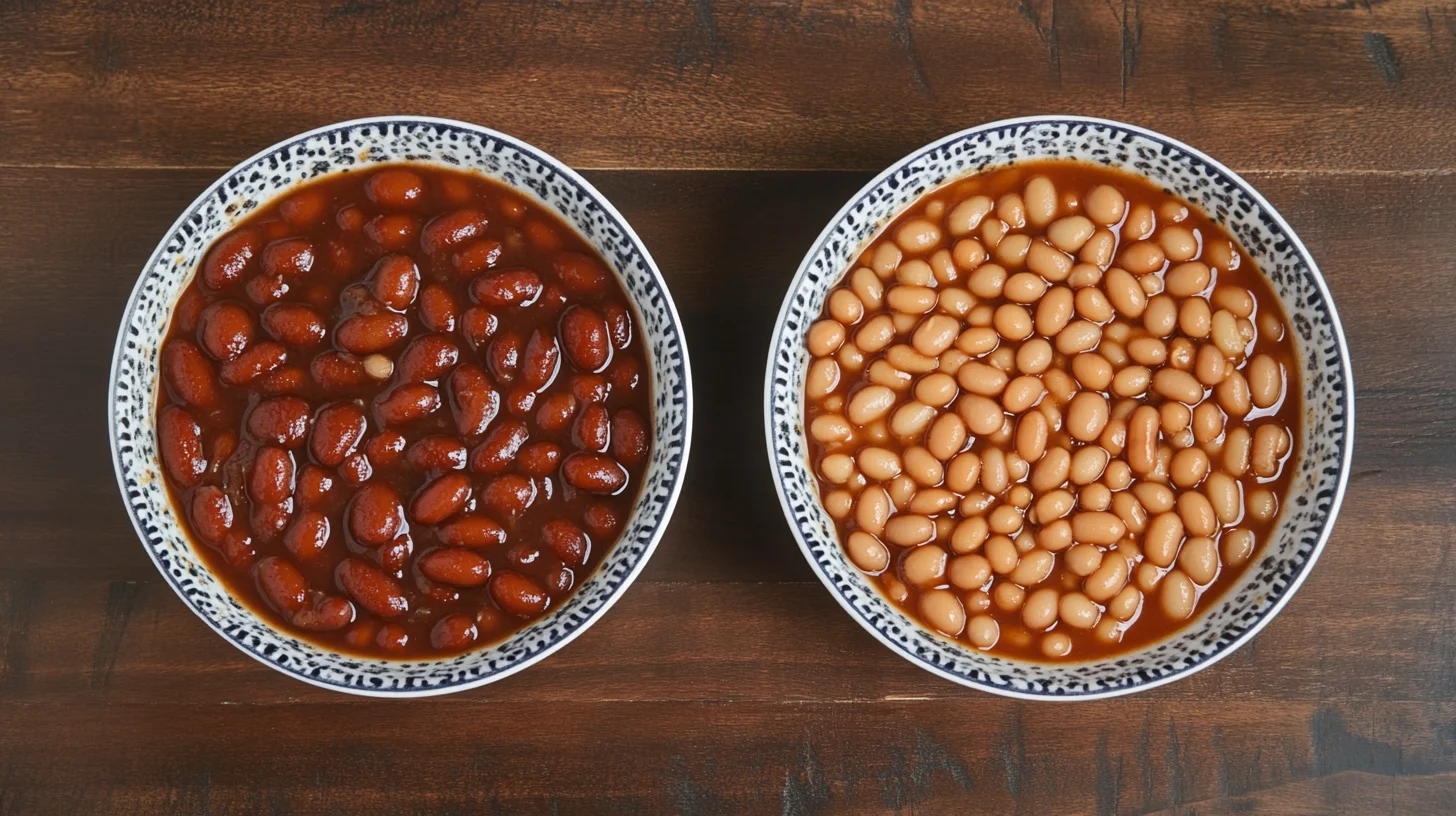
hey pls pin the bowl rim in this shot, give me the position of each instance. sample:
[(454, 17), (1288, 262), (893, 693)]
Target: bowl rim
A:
[(659, 525), (1346, 450)]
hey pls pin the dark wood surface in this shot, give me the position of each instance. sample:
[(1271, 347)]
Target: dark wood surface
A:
[(726, 680)]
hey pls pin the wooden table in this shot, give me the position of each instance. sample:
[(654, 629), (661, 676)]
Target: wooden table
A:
[(727, 680)]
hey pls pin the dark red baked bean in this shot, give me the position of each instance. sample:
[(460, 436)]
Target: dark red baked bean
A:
[(437, 308), (179, 438), (313, 486), (590, 387), (294, 324), (189, 374), (281, 585), (366, 334), (455, 567), (224, 330), (478, 324), (452, 230), (337, 370), (356, 298), (237, 549), (560, 581), (270, 479), (283, 380), (406, 403), (441, 499), (253, 363), (304, 208), (362, 634), (375, 515), (438, 594), (471, 531), (385, 448), (288, 258), (556, 411), (624, 374), (427, 358), (580, 274), (453, 632), (592, 431), (337, 430), (601, 521), (507, 496), (432, 453), (520, 400), (223, 444), (356, 469), (393, 556), (371, 588), (211, 512), (542, 236), (517, 594), (499, 447), (230, 258), (268, 519), (350, 218), (394, 281), (553, 299), (188, 310), (477, 257), (273, 229), (629, 437), (584, 335), (540, 360), (306, 537), (339, 258), (593, 472), (392, 637), (509, 287), (395, 187), (567, 540), (456, 190), (329, 613), (265, 289), (279, 420), (504, 356), (392, 232), (523, 556), (539, 458), (472, 400), (619, 326)]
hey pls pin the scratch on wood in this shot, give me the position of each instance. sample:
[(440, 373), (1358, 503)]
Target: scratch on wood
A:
[(1336, 750), (1177, 784), (1048, 34), (1013, 755), (1145, 758), (805, 789), (120, 600), (712, 47), (1132, 39), (1220, 37), (1382, 53), (1109, 779), (932, 756), (903, 37)]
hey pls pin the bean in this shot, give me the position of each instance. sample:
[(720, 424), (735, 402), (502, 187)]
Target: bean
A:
[(1092, 371), (1270, 443), (1040, 196), (1125, 294), (823, 339), (909, 530), (933, 502), (878, 463), (1162, 538), (1095, 497), (873, 336), (1071, 233), (1236, 300), (1077, 611), (907, 359), (869, 404), (593, 472), (1088, 464), (1194, 318), (867, 287), (1040, 610), (923, 467), (1013, 322), (1236, 547), (1022, 393), (911, 300), (1233, 395), (936, 389), (517, 594), (968, 535), (1131, 381), (179, 440), (1178, 243), (983, 631), (1197, 514), (1083, 559), (1187, 279), (1107, 580), (1199, 560), (823, 378), (1189, 467), (917, 235), (1142, 258), (917, 273), (1051, 472), (1097, 528), (1005, 519), (1177, 595), (1054, 311), (867, 553), (1002, 554), (1012, 249), (1105, 205), (979, 378), (1177, 385), (1087, 415), (1097, 254), (1031, 436), (1266, 380), (943, 610), (1052, 505), (1236, 451), (946, 437), (1078, 336), (923, 565), (1046, 261), (1008, 597), (1033, 568), (1262, 504), (1054, 537), (1011, 209), (982, 415)]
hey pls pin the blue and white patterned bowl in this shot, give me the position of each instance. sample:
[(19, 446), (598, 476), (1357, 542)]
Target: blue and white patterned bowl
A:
[(353, 146), (1322, 463)]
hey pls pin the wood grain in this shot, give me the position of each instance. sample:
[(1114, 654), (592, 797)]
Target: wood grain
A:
[(729, 84)]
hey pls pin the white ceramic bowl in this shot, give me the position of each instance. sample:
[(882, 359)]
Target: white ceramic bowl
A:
[(1322, 460), (351, 147)]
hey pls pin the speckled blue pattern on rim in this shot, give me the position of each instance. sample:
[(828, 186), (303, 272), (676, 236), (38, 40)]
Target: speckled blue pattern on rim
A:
[(1322, 459), (356, 145)]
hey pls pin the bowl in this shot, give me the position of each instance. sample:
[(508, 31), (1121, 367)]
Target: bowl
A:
[(350, 147), (1322, 453)]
